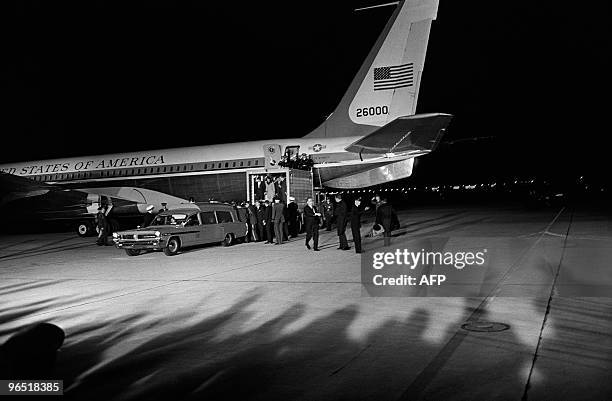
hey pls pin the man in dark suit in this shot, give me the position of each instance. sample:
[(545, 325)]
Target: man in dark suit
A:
[(312, 219), (328, 213), (260, 188), (341, 214), (292, 217), (261, 216), (103, 226), (252, 222), (269, 223), (278, 217), (281, 189), (355, 217), (386, 217)]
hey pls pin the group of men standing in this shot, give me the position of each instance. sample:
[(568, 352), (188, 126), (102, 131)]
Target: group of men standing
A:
[(343, 215), (272, 220), (268, 221)]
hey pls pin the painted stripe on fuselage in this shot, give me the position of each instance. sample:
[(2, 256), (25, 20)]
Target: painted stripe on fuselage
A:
[(327, 147)]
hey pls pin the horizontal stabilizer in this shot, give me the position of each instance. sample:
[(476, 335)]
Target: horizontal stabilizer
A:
[(418, 133)]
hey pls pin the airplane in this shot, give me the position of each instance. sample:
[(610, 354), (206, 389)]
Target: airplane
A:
[(372, 137)]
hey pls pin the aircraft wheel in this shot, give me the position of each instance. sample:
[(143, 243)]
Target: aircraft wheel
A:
[(85, 229)]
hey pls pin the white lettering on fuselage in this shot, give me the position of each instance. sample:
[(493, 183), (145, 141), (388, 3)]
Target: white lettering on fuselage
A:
[(84, 165)]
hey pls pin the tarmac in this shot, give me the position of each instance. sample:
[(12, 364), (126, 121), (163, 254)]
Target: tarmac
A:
[(264, 322)]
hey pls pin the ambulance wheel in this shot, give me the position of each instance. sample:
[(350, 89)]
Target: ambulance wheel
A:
[(173, 246), (229, 239)]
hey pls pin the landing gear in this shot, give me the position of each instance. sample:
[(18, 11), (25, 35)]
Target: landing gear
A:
[(85, 229)]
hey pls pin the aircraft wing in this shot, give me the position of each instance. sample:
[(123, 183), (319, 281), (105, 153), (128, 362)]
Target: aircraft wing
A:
[(419, 133), (13, 187), (60, 200)]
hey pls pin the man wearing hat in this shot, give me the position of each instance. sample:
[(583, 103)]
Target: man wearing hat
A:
[(149, 216)]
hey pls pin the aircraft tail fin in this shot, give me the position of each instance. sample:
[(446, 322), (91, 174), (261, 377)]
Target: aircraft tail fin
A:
[(387, 84)]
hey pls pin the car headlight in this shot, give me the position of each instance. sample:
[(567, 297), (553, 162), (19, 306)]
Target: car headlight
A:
[(157, 234), (115, 235)]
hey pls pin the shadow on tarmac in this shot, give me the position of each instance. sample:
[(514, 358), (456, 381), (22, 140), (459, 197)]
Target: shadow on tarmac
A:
[(213, 359)]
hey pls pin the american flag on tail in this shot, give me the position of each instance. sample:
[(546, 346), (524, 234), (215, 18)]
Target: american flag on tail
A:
[(393, 77)]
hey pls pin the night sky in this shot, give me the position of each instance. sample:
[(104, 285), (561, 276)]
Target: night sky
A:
[(530, 79)]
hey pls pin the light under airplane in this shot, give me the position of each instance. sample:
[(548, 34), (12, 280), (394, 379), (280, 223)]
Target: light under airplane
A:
[(372, 137)]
